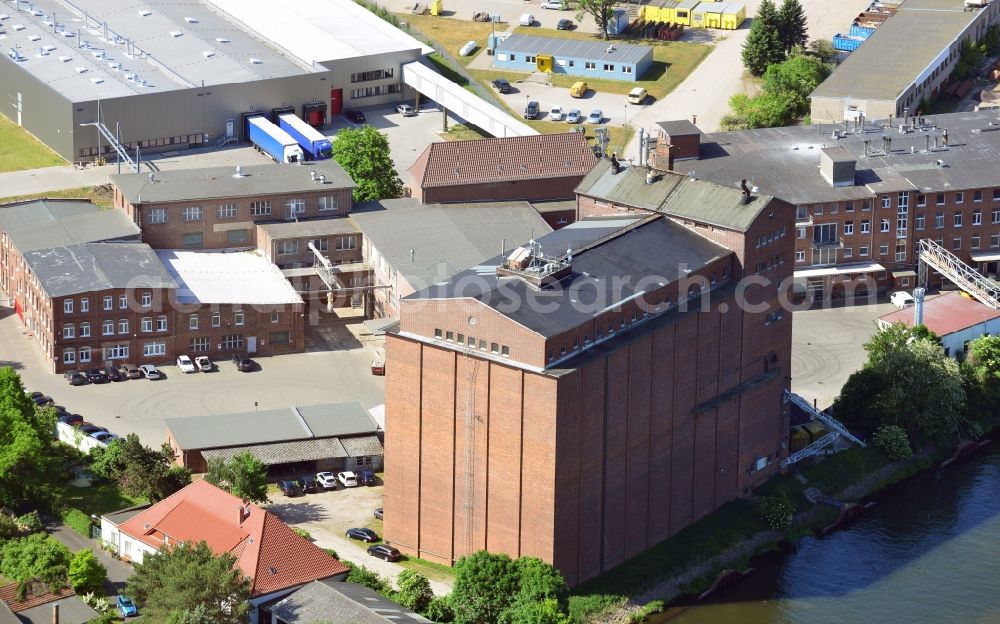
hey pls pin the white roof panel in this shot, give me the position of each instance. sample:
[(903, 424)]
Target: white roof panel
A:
[(321, 30), (236, 277)]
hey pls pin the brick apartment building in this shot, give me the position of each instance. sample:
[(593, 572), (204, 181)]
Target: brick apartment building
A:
[(533, 168), (865, 194), (586, 397), (219, 207), (91, 294)]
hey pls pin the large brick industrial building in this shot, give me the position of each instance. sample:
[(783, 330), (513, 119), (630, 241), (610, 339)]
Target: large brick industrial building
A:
[(864, 194), (592, 393)]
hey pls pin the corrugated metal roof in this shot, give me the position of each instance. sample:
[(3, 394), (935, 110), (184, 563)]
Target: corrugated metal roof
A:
[(221, 182), (576, 49), (946, 314), (284, 452), (267, 426), (445, 238), (92, 267), (479, 161)]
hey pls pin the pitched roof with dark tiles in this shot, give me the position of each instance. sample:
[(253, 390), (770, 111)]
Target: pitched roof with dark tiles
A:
[(259, 540), (506, 159)]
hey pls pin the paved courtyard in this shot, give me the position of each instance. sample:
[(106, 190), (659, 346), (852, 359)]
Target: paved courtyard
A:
[(141, 406)]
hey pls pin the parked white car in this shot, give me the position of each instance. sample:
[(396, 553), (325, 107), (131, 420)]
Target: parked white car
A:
[(406, 110), (204, 364), (901, 298), (555, 113), (185, 364), (558, 5), (347, 479), (149, 371), (326, 480)]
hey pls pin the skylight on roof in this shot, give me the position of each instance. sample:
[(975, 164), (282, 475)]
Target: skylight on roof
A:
[(80, 70), (176, 33), (97, 80), (208, 53), (255, 61), (18, 26), (34, 37)]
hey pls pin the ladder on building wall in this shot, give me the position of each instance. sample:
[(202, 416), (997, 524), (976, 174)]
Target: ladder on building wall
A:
[(930, 254), (469, 477)]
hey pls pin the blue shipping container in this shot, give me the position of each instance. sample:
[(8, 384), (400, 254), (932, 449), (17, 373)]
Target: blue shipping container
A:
[(861, 32), (846, 44)]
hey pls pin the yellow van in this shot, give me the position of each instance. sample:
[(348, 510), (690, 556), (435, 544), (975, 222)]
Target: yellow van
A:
[(637, 95), (578, 90)]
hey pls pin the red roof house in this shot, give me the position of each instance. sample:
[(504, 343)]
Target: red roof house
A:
[(266, 549)]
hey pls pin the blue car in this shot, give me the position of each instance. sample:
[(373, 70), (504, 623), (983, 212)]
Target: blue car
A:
[(127, 607), (367, 477)]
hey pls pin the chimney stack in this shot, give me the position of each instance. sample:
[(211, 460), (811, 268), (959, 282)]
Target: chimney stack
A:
[(614, 165), (55, 613), (944, 136), (918, 306), (746, 191)]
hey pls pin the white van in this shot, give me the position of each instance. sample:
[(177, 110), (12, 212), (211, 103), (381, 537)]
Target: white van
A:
[(637, 95), (527, 19)]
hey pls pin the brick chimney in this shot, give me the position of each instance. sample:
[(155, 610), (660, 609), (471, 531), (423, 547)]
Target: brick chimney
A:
[(55, 613)]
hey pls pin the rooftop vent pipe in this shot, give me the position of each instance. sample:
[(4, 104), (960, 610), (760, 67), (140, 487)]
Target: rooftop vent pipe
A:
[(615, 166), (746, 191)]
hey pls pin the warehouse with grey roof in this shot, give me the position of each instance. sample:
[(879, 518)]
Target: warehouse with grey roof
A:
[(331, 437), (174, 75), (905, 62)]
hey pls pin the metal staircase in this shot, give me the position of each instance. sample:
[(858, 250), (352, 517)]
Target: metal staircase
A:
[(810, 450), (930, 254), (837, 430)]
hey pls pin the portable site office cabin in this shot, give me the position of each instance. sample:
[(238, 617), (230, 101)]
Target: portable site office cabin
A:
[(659, 11), (722, 15), (684, 12)]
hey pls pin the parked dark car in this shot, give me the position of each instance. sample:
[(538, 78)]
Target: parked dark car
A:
[(366, 477), (386, 553), (97, 376), (531, 112), (243, 363), (88, 428), (308, 484), (71, 419), (564, 24), (41, 399), (365, 535), (113, 373), (75, 377), (355, 115), (289, 488), (378, 513), (501, 85), (131, 371)]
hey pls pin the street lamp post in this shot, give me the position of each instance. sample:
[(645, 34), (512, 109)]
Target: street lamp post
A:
[(625, 119)]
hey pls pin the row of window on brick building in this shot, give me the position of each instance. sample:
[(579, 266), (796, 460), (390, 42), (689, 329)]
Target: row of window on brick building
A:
[(470, 342), (342, 243), (232, 210), (146, 324), (902, 201), (157, 348)]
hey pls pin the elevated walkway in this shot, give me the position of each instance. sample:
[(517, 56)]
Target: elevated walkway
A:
[(930, 254)]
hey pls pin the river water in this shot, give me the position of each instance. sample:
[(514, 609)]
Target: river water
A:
[(929, 552)]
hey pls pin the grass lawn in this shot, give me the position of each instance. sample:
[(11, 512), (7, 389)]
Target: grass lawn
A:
[(19, 150), (97, 499), (100, 195), (451, 33), (672, 62), (433, 571), (461, 132)]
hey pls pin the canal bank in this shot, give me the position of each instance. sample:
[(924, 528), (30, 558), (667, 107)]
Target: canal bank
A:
[(928, 552)]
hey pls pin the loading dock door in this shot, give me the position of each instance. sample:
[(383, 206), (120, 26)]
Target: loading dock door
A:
[(336, 101), (544, 63)]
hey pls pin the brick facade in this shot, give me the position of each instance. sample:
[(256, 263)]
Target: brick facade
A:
[(545, 189)]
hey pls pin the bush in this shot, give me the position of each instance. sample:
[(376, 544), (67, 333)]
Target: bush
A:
[(370, 579), (893, 441), (86, 573), (414, 591), (302, 533), (777, 511), (439, 610), (331, 552), (76, 520), (30, 522), (9, 527), (648, 609)]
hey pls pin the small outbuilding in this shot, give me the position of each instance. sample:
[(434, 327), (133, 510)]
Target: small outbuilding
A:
[(332, 437), (590, 59), (954, 317)]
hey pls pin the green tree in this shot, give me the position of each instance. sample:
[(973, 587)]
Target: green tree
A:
[(885, 341), (538, 581), (369, 578), (364, 155), (139, 470), (777, 511), (243, 475), (485, 586), (439, 610), (892, 440), (601, 10), (414, 591), (795, 79), (37, 556), (763, 45), (984, 358), (199, 614), (25, 435), (823, 50), (181, 577), (792, 25), (86, 573)]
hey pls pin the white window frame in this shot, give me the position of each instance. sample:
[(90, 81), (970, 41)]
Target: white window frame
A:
[(85, 304), (147, 299), (226, 211), (84, 354), (68, 306), (107, 328), (330, 202), (161, 323), (193, 321), (109, 302), (69, 331), (85, 330), (192, 213), (146, 324), (157, 215), (153, 349), (123, 326), (123, 302), (238, 318), (69, 356)]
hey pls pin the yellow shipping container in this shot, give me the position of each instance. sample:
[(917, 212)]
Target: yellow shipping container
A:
[(734, 15)]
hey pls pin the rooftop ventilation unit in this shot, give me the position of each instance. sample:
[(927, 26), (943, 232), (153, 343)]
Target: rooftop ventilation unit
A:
[(222, 40), (191, 20), (14, 55), (17, 26), (97, 80), (65, 59), (34, 37), (80, 70), (145, 13), (255, 61)]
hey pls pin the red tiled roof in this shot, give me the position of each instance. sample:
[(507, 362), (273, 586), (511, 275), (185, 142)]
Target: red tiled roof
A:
[(947, 314), (258, 540), (8, 594), (506, 159)]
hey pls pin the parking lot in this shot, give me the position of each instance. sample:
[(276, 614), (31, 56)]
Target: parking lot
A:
[(614, 105), (140, 406), (827, 346)]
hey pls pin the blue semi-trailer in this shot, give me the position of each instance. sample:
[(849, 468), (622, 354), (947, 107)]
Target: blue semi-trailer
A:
[(315, 145), (273, 141)]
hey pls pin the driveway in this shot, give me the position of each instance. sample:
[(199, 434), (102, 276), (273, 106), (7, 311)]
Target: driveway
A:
[(327, 515), (140, 406), (118, 571)]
